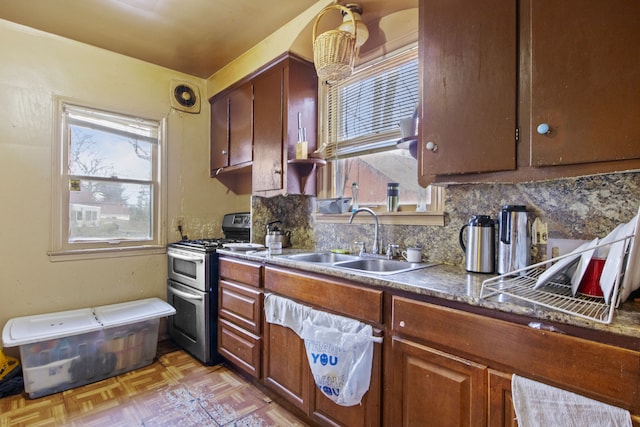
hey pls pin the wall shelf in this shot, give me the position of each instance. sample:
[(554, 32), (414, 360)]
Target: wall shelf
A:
[(304, 168)]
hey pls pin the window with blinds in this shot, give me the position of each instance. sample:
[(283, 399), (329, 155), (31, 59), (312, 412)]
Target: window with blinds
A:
[(362, 112), (360, 134)]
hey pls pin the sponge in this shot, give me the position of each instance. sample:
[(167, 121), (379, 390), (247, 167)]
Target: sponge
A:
[(340, 251)]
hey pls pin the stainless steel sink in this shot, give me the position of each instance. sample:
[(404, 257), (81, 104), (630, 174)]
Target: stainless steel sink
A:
[(380, 266), (362, 264), (322, 257)]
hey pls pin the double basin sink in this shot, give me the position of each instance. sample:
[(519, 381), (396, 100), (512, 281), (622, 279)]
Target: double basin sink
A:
[(362, 264)]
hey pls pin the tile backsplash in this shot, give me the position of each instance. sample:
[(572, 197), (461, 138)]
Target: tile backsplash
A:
[(573, 208)]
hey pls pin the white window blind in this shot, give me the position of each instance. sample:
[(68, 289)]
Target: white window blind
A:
[(362, 112)]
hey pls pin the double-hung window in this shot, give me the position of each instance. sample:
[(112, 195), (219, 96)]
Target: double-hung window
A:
[(361, 136), (107, 184)]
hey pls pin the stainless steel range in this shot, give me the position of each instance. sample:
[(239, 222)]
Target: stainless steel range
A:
[(193, 287)]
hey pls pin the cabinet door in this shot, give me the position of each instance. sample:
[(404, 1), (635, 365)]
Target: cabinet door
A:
[(267, 173), (433, 388), (468, 57), (286, 369), (501, 411), (240, 130), (219, 153), (367, 414), (585, 81)]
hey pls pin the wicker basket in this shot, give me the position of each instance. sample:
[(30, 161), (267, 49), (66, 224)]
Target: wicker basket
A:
[(334, 50)]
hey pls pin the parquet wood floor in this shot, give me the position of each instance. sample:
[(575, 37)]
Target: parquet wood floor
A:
[(176, 390)]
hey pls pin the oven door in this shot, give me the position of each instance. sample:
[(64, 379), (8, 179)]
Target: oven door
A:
[(188, 267), (189, 327)]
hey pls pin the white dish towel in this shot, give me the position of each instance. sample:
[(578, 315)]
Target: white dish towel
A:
[(538, 404)]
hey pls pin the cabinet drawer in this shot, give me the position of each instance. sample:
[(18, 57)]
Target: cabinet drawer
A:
[(239, 347), (237, 270), (352, 301), (600, 371), (241, 305)]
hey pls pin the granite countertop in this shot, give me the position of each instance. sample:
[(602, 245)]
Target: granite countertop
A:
[(453, 283)]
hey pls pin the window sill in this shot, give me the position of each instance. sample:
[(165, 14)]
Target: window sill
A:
[(84, 254), (405, 217)]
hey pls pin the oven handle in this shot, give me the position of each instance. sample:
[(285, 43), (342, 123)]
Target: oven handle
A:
[(186, 258), (186, 295)]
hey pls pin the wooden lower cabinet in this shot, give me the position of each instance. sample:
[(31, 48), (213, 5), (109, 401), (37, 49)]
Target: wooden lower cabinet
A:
[(442, 366), (240, 314), (452, 367), (365, 414), (433, 388), (239, 347), (501, 411), (285, 365), (285, 369)]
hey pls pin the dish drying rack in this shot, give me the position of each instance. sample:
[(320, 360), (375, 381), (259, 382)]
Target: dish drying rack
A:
[(557, 293)]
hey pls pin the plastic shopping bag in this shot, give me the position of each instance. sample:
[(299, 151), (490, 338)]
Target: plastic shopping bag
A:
[(340, 354)]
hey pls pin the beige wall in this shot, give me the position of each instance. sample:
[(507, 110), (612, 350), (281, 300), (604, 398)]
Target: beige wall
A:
[(396, 29), (273, 46), (36, 66)]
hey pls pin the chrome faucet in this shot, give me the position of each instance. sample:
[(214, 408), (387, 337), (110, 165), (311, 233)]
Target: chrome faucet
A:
[(374, 249)]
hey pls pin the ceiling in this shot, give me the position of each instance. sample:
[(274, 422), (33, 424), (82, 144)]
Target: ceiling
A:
[(197, 37)]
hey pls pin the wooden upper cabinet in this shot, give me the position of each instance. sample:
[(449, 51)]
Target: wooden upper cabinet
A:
[(468, 58), (231, 128), (585, 81), (288, 88), (240, 125), (219, 133), (254, 129), (268, 170)]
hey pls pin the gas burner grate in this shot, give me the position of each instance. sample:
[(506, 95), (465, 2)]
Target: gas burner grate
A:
[(207, 244)]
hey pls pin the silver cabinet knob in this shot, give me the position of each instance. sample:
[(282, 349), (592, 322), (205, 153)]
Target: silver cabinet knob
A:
[(225, 152), (431, 146), (543, 129)]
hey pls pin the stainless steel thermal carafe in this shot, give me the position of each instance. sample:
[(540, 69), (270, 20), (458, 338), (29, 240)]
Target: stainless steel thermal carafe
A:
[(480, 246), (514, 246)]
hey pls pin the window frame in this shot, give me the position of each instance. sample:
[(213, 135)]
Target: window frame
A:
[(370, 143), (326, 175), (61, 249)]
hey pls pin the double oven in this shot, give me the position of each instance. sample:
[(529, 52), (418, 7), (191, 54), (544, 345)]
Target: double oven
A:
[(192, 287)]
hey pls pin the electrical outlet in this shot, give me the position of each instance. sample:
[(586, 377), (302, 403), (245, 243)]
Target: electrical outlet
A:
[(559, 247), (539, 232)]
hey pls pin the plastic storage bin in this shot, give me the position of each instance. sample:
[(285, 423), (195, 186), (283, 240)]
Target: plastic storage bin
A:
[(68, 349)]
